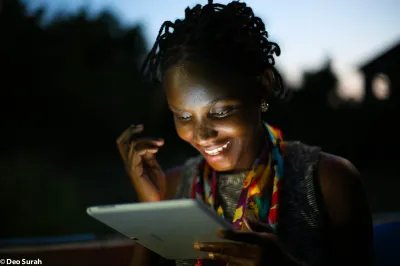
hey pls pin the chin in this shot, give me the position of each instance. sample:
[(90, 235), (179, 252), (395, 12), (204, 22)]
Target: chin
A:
[(222, 162), (221, 157), (222, 166)]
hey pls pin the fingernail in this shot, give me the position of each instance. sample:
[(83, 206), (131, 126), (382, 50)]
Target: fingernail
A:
[(211, 255), (247, 224)]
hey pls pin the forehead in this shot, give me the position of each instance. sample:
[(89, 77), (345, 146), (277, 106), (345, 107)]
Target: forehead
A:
[(193, 85)]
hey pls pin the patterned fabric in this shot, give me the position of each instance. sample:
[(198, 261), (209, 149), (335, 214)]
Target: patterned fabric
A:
[(260, 192), (302, 219)]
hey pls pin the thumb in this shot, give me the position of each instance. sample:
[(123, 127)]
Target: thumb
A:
[(257, 226)]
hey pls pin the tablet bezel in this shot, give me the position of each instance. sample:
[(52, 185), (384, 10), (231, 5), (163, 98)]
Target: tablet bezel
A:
[(208, 221)]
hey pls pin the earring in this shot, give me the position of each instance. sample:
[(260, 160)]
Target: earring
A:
[(264, 106)]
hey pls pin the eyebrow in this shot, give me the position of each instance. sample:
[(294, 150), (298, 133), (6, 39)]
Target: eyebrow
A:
[(210, 103)]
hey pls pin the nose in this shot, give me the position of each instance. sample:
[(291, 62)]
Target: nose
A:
[(204, 134)]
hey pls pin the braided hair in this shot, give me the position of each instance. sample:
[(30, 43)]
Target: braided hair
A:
[(229, 36)]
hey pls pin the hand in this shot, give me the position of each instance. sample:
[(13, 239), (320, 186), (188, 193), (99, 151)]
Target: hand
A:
[(257, 245), (141, 165)]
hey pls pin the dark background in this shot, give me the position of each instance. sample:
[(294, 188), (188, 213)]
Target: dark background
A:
[(71, 86)]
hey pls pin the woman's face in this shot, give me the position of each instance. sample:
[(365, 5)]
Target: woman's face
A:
[(221, 121)]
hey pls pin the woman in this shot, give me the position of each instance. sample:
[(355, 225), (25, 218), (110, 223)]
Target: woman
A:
[(291, 204)]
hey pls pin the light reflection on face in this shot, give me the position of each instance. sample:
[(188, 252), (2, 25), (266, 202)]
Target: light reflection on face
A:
[(221, 121)]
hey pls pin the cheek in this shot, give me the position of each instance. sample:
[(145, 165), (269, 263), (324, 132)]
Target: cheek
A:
[(234, 127), (184, 132), (242, 124)]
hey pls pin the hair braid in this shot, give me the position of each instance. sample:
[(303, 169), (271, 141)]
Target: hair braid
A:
[(228, 33)]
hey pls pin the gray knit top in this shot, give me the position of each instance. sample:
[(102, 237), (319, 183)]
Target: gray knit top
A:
[(301, 221)]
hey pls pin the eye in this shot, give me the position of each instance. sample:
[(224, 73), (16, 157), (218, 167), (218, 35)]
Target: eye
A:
[(183, 117), (222, 112)]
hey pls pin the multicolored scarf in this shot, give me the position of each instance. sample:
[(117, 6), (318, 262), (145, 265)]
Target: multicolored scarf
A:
[(261, 188)]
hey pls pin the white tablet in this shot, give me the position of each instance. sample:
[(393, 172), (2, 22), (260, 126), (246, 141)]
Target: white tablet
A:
[(169, 228)]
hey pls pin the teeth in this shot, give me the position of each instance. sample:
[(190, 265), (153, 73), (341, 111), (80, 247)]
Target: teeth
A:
[(218, 150)]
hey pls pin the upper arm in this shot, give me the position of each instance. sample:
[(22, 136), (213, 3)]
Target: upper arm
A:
[(173, 179), (350, 230)]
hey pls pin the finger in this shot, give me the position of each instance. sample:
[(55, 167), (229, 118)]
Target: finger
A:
[(252, 238), (232, 260), (136, 161), (230, 249), (122, 146), (126, 135), (256, 226), (135, 129), (124, 139), (150, 161), (136, 157), (144, 151), (146, 147), (147, 141)]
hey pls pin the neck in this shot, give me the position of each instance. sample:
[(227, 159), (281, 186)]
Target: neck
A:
[(260, 142)]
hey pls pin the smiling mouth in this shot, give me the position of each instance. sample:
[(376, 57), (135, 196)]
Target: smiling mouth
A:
[(218, 150)]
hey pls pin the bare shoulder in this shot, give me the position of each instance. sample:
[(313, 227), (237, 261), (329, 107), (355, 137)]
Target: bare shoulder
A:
[(329, 162), (173, 173), (350, 222), (337, 172), (173, 177), (341, 185), (179, 179)]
